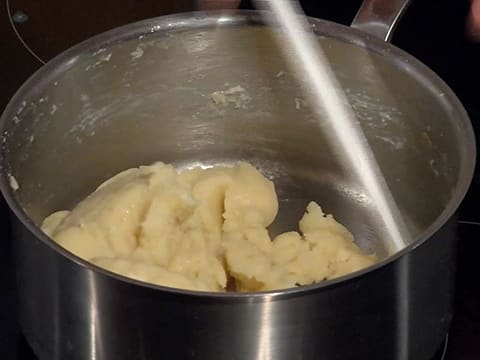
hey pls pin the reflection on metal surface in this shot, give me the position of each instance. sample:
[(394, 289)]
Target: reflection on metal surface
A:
[(380, 17), (95, 338), (403, 318), (336, 117), (267, 326)]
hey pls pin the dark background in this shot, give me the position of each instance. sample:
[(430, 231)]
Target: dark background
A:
[(433, 31)]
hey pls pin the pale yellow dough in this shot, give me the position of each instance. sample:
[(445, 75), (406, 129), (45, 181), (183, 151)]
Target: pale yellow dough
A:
[(196, 229)]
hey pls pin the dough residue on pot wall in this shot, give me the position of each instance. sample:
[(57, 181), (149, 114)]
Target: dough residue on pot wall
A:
[(200, 229)]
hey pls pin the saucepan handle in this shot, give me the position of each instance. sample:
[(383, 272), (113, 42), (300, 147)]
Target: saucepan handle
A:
[(380, 17)]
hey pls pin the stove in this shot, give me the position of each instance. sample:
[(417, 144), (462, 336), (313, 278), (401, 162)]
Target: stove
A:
[(432, 30)]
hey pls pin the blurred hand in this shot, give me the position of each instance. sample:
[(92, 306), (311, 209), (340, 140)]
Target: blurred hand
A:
[(473, 24), (218, 4)]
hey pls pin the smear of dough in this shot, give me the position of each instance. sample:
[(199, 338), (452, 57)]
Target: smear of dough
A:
[(195, 229), (13, 182)]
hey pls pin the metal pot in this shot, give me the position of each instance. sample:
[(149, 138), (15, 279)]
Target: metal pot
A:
[(141, 93)]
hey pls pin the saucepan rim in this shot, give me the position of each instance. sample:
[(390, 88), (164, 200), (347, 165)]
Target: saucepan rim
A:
[(196, 20)]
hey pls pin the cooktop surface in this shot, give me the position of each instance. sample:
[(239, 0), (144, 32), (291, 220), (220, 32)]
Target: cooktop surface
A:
[(432, 30)]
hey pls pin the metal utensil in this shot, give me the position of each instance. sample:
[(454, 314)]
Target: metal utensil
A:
[(142, 93), (337, 118)]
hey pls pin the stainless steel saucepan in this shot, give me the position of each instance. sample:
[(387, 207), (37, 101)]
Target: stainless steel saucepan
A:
[(142, 93)]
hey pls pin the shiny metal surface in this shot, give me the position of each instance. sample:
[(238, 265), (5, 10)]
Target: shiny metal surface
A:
[(379, 17), (141, 93), (72, 312), (342, 131)]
